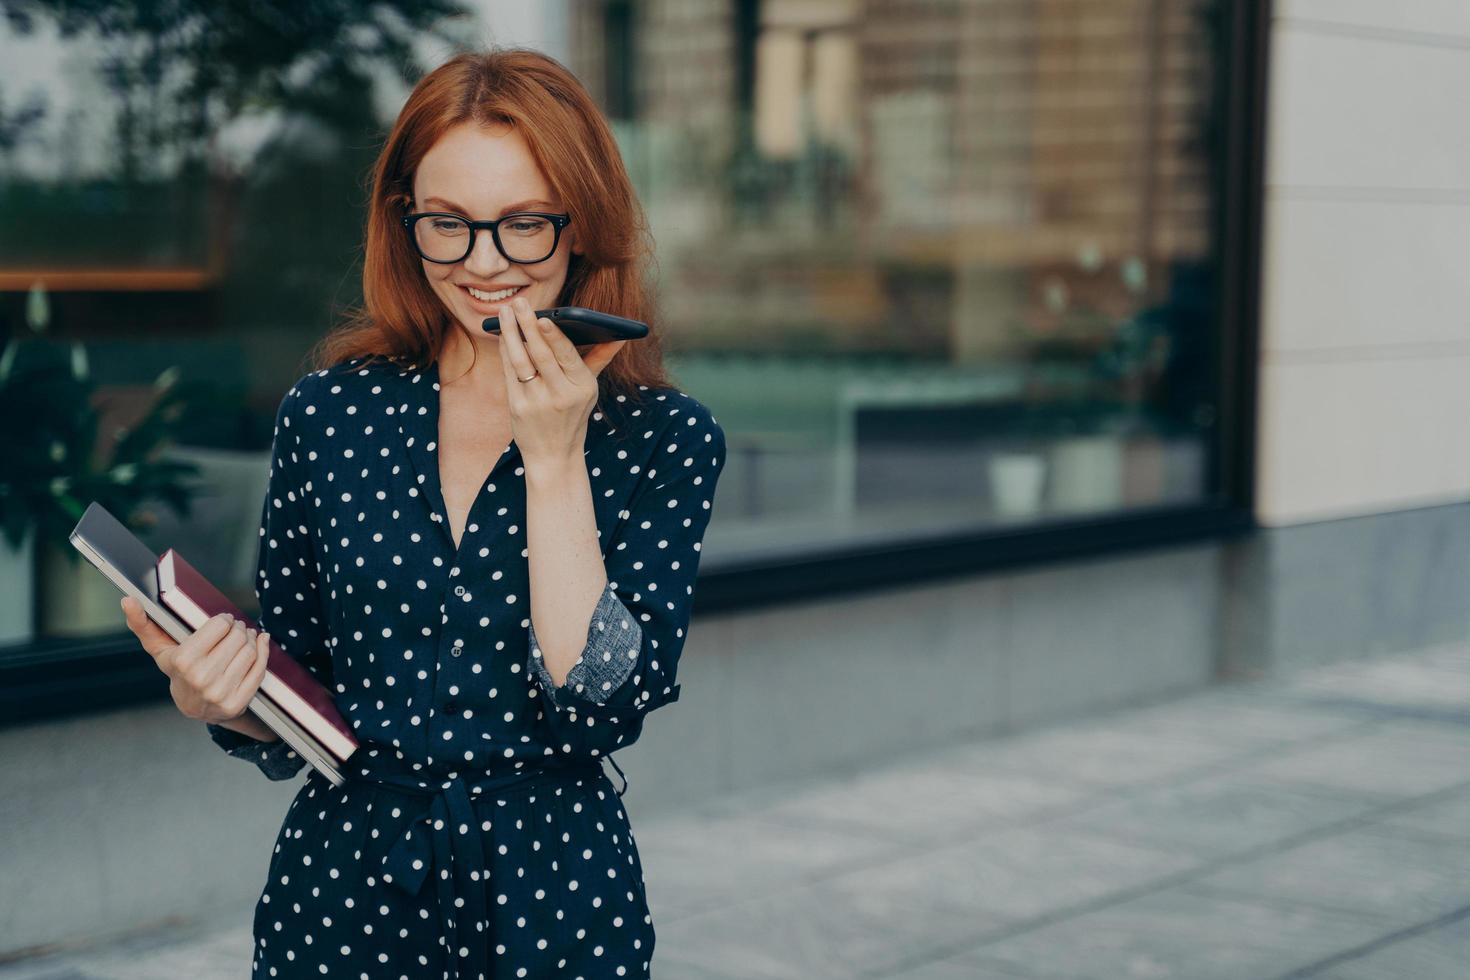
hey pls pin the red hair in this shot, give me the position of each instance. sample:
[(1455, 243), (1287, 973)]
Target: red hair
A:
[(401, 318)]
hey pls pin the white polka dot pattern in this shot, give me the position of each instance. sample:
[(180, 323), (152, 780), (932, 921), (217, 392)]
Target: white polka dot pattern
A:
[(286, 576), (614, 642), (429, 652)]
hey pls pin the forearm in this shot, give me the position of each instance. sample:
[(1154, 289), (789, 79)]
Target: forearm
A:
[(565, 557), (248, 724)]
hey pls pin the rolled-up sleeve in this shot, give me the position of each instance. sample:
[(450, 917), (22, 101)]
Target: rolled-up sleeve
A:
[(286, 577), (629, 664), (609, 655)]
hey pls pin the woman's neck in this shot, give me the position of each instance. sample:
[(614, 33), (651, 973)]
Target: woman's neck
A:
[(484, 379)]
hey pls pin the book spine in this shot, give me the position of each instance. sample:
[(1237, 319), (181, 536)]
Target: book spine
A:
[(305, 715), (293, 736)]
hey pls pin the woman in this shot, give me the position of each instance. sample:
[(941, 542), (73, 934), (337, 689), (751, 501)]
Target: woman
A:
[(485, 546)]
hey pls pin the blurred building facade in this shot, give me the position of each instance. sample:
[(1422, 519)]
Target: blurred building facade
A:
[(1070, 354)]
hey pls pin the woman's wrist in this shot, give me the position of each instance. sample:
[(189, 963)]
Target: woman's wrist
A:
[(248, 724), (554, 471)]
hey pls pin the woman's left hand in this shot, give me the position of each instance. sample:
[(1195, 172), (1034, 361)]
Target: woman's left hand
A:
[(548, 415)]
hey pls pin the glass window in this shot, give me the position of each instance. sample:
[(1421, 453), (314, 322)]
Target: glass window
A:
[(181, 194), (937, 267)]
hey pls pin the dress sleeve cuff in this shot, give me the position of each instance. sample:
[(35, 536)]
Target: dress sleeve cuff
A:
[(278, 760), (608, 659)]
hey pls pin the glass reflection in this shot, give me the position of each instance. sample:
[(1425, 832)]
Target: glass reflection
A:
[(934, 266)]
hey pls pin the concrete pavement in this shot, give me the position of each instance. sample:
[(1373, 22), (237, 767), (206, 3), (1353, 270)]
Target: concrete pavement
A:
[(1316, 826)]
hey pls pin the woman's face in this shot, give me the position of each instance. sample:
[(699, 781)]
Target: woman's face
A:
[(484, 173)]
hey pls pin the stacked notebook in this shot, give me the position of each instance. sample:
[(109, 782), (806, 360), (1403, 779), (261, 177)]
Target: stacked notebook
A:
[(290, 700)]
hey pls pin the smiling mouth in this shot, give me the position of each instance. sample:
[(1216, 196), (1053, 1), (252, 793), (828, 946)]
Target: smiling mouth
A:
[(495, 297)]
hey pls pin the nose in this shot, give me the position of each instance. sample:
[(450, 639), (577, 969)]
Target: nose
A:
[(485, 260)]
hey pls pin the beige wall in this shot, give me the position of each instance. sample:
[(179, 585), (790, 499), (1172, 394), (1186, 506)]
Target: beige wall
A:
[(1365, 330)]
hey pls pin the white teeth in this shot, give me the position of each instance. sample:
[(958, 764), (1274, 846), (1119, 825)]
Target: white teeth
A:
[(483, 296)]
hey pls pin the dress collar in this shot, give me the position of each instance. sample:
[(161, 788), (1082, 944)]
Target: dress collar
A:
[(418, 425)]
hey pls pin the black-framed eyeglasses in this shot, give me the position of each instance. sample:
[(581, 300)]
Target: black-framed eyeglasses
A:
[(446, 238)]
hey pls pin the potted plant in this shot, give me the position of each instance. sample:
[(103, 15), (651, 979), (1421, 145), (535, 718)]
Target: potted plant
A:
[(58, 461), (1017, 465), (1099, 455)]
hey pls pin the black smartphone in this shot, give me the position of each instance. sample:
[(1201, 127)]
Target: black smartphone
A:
[(584, 326)]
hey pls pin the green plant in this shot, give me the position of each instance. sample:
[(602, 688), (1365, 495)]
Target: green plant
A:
[(53, 465)]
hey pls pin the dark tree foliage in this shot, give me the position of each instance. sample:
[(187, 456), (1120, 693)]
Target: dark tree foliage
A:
[(182, 68), (284, 221)]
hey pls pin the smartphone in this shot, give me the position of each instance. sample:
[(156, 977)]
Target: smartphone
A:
[(584, 326)]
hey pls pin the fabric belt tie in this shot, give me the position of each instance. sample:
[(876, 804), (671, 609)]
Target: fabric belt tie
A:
[(448, 840)]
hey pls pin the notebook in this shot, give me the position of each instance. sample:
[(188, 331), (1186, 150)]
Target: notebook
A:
[(195, 600), (130, 565)]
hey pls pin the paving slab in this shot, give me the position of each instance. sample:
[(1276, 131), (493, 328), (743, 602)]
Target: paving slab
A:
[(1245, 716), (922, 802), (693, 864), (956, 970), (1445, 816), (1441, 953), (829, 930), (1369, 871), (1100, 755), (1394, 759), (1178, 934), (1219, 814)]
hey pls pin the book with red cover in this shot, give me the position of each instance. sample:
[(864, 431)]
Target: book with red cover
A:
[(287, 683)]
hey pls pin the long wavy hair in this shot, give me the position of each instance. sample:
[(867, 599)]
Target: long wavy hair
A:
[(401, 319)]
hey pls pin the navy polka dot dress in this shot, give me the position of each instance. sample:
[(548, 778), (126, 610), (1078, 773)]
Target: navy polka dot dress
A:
[(477, 835)]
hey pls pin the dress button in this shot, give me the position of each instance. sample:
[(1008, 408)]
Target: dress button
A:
[(459, 590), (456, 651)]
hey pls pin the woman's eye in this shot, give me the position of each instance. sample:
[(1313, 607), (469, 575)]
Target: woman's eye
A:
[(448, 226), (527, 226)]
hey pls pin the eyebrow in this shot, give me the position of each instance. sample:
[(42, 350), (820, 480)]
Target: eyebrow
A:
[(508, 209)]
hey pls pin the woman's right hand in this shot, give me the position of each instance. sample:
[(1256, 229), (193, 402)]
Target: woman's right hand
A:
[(214, 672)]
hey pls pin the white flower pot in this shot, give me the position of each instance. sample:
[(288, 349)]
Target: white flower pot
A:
[(1087, 474), (1016, 481), (17, 589), (77, 599)]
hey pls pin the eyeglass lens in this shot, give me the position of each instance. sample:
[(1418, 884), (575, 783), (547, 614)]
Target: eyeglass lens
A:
[(523, 238)]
